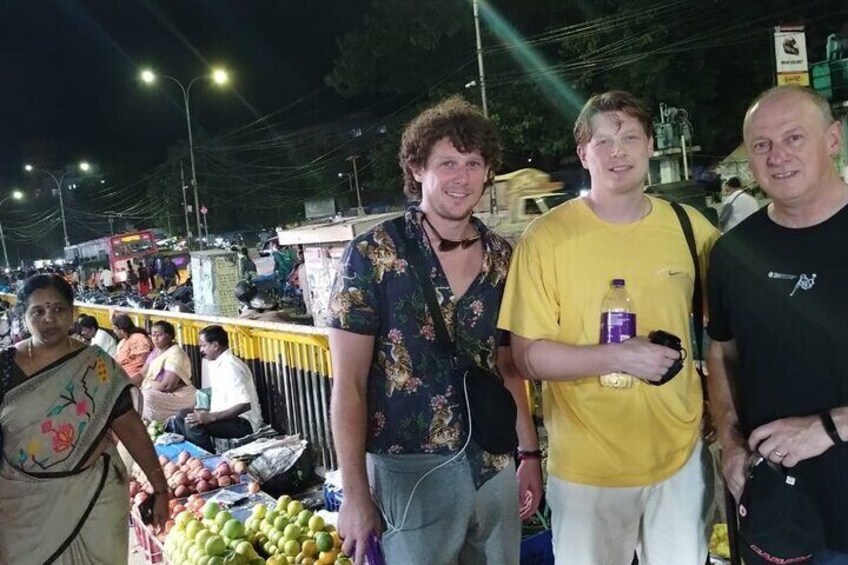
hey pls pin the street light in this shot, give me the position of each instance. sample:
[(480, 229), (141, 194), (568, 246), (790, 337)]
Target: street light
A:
[(16, 195), (83, 167), (218, 76)]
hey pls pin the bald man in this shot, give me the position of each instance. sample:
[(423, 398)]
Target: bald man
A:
[(778, 309)]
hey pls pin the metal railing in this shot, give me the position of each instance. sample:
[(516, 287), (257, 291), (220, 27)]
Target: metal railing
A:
[(290, 364)]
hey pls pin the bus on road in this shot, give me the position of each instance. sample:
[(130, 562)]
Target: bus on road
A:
[(127, 248)]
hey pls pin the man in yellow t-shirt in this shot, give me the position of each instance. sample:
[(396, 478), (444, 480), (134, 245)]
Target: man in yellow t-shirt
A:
[(626, 465)]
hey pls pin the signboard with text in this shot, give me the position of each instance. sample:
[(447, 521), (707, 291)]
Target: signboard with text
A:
[(790, 55)]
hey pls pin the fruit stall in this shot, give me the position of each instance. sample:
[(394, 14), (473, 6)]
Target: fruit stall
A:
[(222, 512), (219, 515)]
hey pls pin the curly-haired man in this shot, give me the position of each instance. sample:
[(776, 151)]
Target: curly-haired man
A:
[(409, 468)]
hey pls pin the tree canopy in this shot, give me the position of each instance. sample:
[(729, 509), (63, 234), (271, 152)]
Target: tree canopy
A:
[(544, 58)]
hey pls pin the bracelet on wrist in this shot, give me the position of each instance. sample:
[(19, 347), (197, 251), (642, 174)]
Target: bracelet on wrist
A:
[(523, 455), (830, 427)]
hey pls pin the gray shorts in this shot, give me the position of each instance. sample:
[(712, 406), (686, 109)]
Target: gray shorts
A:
[(449, 522)]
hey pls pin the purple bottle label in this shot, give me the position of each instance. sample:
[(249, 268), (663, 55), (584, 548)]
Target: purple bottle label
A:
[(617, 326)]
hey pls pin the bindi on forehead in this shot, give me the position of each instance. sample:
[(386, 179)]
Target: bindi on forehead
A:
[(48, 304)]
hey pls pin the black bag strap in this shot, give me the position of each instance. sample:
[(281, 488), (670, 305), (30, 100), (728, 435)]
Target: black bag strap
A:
[(5, 370), (416, 263), (698, 292), (698, 326)]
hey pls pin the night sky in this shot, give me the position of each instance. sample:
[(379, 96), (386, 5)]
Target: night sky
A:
[(71, 69), (71, 82)]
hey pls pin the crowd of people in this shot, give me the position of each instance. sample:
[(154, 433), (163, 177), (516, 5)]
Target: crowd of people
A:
[(424, 305), (147, 275)]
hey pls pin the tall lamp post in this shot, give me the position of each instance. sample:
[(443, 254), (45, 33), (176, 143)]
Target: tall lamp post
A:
[(219, 77), (83, 167), (16, 195)]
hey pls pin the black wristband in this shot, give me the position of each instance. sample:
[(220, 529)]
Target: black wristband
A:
[(830, 427), (522, 455)]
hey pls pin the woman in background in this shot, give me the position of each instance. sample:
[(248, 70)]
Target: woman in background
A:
[(167, 386), (133, 348), (63, 488)]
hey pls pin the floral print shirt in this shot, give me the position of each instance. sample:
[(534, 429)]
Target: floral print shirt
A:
[(415, 402)]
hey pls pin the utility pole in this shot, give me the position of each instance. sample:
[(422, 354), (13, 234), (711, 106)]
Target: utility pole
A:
[(493, 193), (359, 209), (5, 255), (185, 203), (205, 211), (480, 58)]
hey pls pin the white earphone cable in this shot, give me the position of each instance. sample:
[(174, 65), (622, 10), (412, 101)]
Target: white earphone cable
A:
[(391, 527)]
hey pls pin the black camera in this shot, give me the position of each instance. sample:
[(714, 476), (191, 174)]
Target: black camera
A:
[(671, 341)]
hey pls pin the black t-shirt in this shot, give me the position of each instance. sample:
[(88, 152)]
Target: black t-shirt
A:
[(782, 294)]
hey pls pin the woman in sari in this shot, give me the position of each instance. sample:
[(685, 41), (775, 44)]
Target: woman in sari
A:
[(133, 348), (167, 386), (63, 489)]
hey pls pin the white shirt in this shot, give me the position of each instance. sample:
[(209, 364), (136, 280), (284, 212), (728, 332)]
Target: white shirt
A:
[(106, 277), (232, 384), (106, 342), (741, 205)]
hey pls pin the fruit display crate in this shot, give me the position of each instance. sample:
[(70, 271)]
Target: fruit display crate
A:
[(537, 549), (147, 541)]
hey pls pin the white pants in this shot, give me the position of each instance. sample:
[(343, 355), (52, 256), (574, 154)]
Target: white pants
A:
[(664, 523)]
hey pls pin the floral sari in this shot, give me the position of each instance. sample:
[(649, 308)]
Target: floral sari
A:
[(54, 508), (159, 405)]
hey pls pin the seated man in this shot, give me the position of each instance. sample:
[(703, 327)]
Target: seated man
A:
[(234, 411), (91, 330)]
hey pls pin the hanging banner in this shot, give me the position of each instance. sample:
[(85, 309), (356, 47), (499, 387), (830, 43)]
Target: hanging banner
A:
[(790, 54)]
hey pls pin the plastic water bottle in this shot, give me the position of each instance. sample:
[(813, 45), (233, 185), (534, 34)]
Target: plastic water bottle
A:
[(618, 323)]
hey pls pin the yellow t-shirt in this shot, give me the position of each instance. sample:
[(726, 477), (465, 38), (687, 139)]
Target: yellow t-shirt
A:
[(560, 271)]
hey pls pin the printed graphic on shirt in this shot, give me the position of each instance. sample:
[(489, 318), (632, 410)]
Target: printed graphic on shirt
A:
[(803, 282)]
